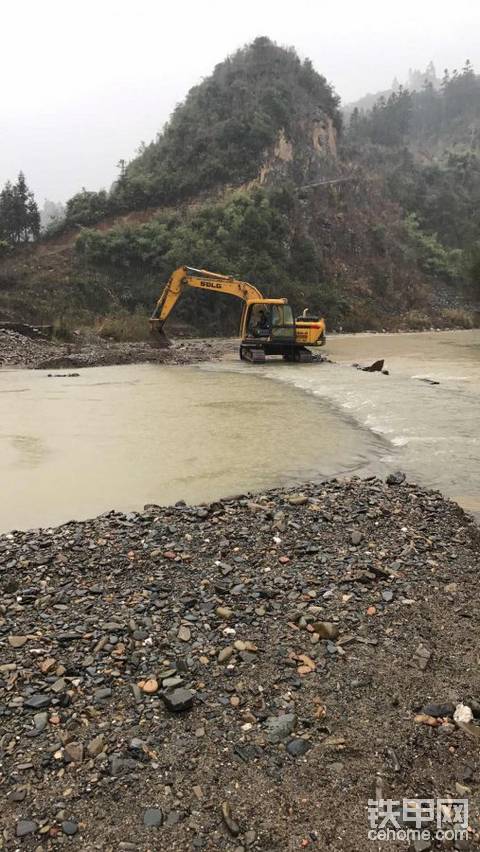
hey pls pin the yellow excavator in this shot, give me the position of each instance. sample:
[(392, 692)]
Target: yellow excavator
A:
[(267, 326)]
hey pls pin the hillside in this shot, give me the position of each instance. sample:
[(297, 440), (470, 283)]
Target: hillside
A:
[(377, 224)]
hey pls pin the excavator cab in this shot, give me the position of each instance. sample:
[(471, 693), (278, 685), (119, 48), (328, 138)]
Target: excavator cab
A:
[(268, 328), (270, 322)]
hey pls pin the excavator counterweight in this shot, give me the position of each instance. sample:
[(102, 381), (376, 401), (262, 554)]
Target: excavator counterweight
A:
[(267, 326)]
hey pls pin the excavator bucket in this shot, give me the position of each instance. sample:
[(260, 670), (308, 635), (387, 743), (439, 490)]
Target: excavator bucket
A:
[(158, 339)]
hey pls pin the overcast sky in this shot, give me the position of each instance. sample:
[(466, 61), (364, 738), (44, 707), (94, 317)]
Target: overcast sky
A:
[(82, 84)]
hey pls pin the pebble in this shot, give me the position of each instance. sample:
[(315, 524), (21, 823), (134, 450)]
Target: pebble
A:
[(96, 745), (149, 686), (224, 613), (437, 710), (37, 701), (421, 845), (69, 827), (121, 765), (102, 694), (40, 720), (298, 500), (395, 478), (152, 818), (178, 700), (25, 827), (423, 656), (74, 752), (170, 682), (17, 641), (225, 654), (325, 629), (184, 633), (18, 794), (280, 727), (298, 747), (229, 821)]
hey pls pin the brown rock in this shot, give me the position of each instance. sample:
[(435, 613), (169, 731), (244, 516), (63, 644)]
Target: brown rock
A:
[(17, 641), (425, 719), (228, 819), (224, 612), (184, 633), (96, 746), (149, 686), (73, 752), (297, 500), (47, 664), (225, 654), (326, 629)]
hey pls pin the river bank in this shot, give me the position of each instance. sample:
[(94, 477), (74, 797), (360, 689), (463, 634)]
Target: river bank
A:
[(18, 351), (244, 674)]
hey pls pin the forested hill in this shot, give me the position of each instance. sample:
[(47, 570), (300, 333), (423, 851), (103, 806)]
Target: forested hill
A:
[(219, 135), (376, 223), (436, 114), (258, 98)]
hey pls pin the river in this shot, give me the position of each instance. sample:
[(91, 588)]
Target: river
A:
[(120, 437), (432, 430)]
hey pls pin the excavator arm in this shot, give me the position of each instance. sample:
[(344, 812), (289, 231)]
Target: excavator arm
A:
[(186, 276)]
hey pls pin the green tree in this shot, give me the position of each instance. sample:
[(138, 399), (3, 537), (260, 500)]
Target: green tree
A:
[(19, 216), (86, 208)]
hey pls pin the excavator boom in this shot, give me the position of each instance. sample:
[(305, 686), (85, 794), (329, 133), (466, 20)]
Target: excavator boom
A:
[(186, 276)]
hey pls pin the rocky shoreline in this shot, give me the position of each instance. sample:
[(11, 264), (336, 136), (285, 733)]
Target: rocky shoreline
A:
[(19, 351), (243, 675)]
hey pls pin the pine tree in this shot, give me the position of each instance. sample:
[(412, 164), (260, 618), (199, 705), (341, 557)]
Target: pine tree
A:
[(32, 218), (19, 216)]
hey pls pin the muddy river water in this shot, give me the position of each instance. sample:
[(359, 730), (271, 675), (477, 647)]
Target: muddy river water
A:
[(120, 437)]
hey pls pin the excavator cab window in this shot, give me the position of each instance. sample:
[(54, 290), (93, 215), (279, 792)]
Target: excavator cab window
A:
[(259, 321), (272, 321), (283, 326)]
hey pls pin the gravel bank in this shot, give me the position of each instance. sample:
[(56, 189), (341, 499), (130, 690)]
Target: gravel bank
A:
[(16, 350), (23, 352), (238, 676)]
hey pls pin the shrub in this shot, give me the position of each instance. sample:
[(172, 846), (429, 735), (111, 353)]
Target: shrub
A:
[(123, 326), (456, 318)]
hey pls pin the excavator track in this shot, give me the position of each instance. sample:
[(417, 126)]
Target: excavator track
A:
[(252, 354), (300, 355), (304, 356)]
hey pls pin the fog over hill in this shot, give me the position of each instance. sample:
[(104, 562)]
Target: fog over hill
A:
[(96, 79)]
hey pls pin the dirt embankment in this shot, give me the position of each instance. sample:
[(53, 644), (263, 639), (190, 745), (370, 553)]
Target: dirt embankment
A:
[(17, 350), (243, 675)]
